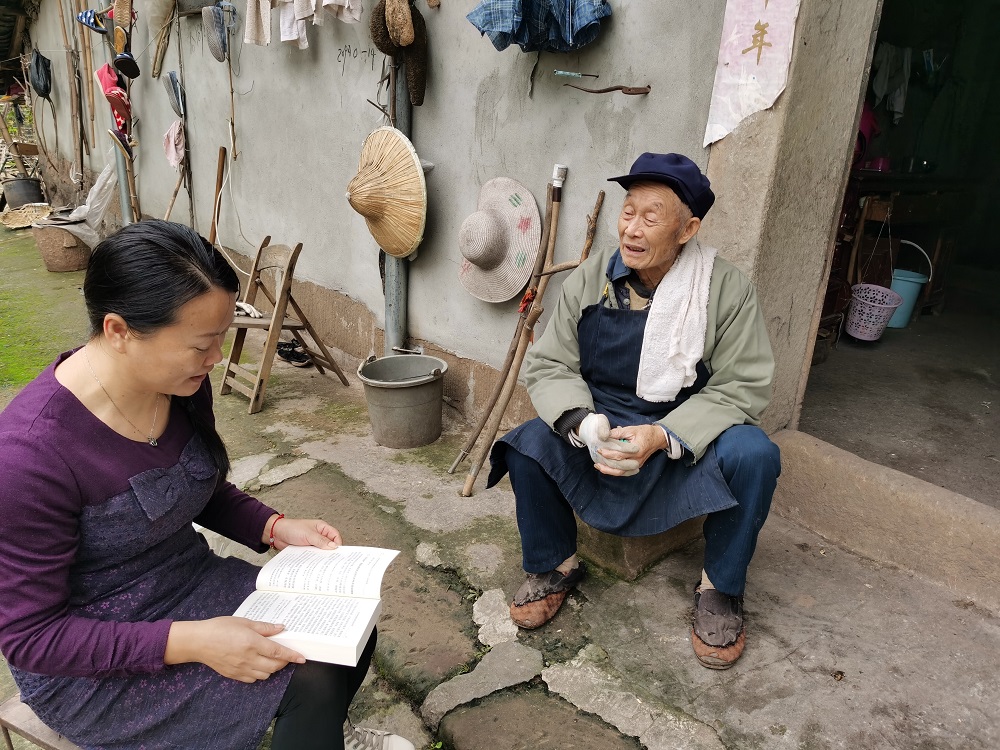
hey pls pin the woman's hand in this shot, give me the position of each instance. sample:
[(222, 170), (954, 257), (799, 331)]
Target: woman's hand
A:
[(233, 646), (646, 438), (301, 532)]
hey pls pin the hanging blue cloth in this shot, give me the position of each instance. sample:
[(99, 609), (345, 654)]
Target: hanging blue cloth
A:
[(540, 25)]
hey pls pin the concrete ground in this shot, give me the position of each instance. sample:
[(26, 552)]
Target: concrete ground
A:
[(924, 400), (842, 652)]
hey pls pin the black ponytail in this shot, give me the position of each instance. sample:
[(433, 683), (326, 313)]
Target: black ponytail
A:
[(145, 273)]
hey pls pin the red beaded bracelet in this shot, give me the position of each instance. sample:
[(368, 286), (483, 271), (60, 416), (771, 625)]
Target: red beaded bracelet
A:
[(271, 535)]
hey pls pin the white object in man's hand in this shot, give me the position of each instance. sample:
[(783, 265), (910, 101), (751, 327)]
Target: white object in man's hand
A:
[(594, 432)]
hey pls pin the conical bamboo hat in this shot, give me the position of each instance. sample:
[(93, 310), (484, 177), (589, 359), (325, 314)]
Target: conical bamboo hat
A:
[(390, 192)]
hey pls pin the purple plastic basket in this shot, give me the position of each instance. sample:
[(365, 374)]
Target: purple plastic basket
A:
[(871, 308)]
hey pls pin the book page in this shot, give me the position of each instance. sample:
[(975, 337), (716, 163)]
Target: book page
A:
[(345, 571), (329, 617)]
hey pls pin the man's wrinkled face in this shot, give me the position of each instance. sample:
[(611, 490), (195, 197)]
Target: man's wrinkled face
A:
[(653, 226)]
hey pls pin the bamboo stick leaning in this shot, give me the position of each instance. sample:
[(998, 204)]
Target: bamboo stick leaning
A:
[(88, 64), (492, 425), (543, 243)]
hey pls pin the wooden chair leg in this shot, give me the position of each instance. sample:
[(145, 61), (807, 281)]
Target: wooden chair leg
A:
[(264, 371), (319, 342), (7, 739), (234, 359)]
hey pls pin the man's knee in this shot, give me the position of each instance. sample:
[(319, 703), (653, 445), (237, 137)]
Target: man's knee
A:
[(746, 448), (523, 470)]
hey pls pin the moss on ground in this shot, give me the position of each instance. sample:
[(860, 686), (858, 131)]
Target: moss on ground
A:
[(41, 313)]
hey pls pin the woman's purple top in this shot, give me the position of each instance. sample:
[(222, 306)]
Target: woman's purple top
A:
[(98, 556)]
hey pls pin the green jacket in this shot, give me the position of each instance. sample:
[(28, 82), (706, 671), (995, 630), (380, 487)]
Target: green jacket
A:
[(737, 354)]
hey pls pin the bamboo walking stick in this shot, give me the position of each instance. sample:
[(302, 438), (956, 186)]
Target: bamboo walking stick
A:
[(88, 63), (543, 243), (177, 189), (73, 80), (510, 382), (220, 172), (492, 426)]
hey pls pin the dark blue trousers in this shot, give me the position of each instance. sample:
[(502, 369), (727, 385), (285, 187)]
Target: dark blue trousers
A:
[(750, 464)]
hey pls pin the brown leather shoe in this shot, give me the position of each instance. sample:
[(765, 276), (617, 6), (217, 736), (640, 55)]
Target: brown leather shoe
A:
[(718, 657), (718, 636), (541, 595)]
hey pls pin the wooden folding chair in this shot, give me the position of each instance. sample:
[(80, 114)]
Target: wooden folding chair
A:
[(281, 260)]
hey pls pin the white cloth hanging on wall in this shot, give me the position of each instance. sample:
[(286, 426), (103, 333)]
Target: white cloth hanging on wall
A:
[(257, 26), (892, 77)]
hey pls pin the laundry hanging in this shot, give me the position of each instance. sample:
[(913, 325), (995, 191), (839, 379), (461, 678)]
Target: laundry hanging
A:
[(540, 25)]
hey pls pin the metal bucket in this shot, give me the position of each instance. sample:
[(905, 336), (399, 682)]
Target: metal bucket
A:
[(21, 190), (404, 398)]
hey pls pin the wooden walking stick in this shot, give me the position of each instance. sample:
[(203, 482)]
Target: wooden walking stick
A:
[(220, 172), (492, 426), (71, 69), (177, 189), (529, 295), (88, 63), (510, 381)]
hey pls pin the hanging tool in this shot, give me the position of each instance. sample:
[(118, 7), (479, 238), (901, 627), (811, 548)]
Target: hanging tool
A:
[(631, 90)]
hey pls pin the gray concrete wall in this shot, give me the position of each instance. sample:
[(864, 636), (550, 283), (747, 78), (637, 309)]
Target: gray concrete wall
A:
[(302, 116)]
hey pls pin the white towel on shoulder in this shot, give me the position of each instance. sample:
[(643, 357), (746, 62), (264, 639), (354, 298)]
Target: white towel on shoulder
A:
[(673, 342)]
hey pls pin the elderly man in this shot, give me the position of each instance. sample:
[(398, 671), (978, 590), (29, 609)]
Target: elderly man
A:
[(649, 381)]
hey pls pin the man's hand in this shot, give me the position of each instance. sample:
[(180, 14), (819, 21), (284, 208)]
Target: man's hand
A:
[(233, 646), (643, 440), (609, 454)]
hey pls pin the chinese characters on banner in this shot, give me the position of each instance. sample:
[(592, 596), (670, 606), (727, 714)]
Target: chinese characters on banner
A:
[(754, 55)]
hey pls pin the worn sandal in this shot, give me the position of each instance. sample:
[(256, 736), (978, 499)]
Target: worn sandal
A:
[(126, 65), (541, 595), (121, 141), (92, 21), (718, 635)]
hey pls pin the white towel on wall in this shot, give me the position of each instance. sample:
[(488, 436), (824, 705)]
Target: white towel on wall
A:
[(257, 27), (348, 11), (673, 342)]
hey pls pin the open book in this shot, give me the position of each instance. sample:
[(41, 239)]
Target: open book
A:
[(328, 600)]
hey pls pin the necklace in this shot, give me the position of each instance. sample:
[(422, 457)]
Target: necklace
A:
[(149, 438)]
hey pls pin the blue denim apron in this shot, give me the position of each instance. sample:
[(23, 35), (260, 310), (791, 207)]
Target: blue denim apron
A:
[(665, 492)]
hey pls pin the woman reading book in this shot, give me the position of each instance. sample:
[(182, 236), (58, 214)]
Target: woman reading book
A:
[(115, 618)]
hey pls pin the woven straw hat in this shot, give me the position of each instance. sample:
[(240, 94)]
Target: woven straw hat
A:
[(390, 192), (500, 241)]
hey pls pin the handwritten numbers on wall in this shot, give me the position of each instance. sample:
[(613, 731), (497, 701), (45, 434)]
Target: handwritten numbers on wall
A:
[(362, 57)]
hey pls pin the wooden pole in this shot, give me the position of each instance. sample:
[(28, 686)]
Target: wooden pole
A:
[(492, 426), (177, 189), (74, 104), (88, 63), (10, 144), (543, 243), (220, 172)]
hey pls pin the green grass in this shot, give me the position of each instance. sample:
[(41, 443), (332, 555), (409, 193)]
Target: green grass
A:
[(41, 313)]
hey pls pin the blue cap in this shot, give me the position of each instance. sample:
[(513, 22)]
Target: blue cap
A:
[(678, 173)]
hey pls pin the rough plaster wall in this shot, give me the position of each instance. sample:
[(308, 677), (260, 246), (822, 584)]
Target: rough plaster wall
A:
[(302, 117), (789, 166)]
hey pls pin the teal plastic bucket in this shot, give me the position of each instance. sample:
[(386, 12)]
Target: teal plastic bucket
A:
[(908, 285)]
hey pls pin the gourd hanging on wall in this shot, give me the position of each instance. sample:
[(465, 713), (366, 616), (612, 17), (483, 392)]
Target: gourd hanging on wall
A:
[(399, 31)]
